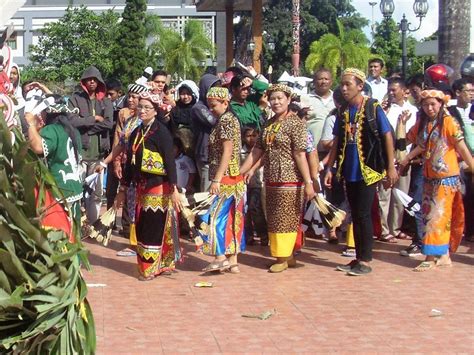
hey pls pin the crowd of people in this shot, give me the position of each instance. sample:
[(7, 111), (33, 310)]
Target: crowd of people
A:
[(263, 150)]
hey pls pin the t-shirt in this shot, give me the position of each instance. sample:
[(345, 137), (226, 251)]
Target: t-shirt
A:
[(62, 163), (351, 165), (184, 167)]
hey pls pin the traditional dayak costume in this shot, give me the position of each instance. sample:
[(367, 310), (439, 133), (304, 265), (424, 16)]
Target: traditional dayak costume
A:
[(283, 180), (63, 163), (441, 189), (150, 165), (225, 217)]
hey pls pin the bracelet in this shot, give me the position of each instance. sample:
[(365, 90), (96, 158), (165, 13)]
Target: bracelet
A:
[(321, 165), (102, 164), (308, 183), (216, 181)]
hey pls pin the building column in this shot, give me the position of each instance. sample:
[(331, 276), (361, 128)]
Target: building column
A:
[(229, 33)]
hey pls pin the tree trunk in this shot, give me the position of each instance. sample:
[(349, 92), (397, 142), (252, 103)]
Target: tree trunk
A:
[(454, 32)]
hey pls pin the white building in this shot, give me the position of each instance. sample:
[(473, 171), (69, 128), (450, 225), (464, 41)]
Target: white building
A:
[(34, 14)]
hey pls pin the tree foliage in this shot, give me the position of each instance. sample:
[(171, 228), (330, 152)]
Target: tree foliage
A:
[(181, 54), (336, 52), (67, 47), (129, 50), (318, 17), (387, 45)]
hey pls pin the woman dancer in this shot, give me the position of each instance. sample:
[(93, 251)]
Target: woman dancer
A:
[(150, 165), (225, 218), (282, 147), (438, 137)]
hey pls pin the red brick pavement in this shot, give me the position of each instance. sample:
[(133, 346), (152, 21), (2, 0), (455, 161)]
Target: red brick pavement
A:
[(318, 310)]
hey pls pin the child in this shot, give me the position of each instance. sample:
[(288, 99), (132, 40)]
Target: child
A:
[(185, 168), (255, 217)]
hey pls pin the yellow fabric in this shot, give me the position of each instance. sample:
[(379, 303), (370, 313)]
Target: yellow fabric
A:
[(282, 244), (133, 235), (152, 162), (350, 237)]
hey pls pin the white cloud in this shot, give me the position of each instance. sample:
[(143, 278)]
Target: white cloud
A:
[(429, 25)]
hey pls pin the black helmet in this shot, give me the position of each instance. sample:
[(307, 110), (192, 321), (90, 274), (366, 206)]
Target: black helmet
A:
[(467, 67)]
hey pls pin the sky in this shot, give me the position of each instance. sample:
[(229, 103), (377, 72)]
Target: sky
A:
[(428, 26)]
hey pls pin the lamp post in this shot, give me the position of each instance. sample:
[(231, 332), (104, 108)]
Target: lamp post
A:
[(372, 26), (420, 8)]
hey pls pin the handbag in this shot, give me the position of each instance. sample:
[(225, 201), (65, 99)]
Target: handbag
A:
[(152, 162)]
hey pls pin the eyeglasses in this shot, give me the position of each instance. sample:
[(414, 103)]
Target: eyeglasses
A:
[(145, 108), (468, 90)]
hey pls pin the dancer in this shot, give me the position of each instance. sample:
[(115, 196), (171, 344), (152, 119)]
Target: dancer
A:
[(438, 137), (282, 149), (226, 214)]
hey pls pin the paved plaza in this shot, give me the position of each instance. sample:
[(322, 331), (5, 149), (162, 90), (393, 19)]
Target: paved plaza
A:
[(317, 309)]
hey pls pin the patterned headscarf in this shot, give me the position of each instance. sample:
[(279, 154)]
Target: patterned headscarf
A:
[(435, 94), (280, 87), (218, 93), (359, 74), (60, 106), (155, 99)]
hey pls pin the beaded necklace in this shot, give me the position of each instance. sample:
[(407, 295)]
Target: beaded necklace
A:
[(136, 143), (351, 128)]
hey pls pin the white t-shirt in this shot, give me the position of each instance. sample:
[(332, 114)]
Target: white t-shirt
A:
[(184, 167)]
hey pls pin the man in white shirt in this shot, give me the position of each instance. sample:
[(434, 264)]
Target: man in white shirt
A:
[(391, 209), (378, 84), (321, 103)]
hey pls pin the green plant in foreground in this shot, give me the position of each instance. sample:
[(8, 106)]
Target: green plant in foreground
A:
[(43, 305)]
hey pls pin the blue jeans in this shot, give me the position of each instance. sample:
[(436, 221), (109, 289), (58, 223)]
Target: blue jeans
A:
[(416, 192)]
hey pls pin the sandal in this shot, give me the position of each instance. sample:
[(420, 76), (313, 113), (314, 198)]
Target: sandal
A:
[(127, 252), (218, 266), (444, 261), (425, 266), (389, 238), (146, 278), (403, 236)]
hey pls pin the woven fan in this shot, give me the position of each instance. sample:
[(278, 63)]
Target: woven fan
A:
[(101, 230)]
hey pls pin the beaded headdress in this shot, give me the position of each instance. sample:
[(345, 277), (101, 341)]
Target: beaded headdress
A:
[(359, 74), (279, 87), (218, 93), (153, 98), (136, 88)]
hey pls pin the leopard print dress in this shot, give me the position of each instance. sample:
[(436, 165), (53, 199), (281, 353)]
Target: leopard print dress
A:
[(283, 182)]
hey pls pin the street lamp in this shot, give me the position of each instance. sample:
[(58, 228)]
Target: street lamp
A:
[(372, 26), (420, 8)]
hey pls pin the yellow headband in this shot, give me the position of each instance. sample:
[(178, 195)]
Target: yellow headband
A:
[(279, 87), (218, 93), (435, 94), (359, 74)]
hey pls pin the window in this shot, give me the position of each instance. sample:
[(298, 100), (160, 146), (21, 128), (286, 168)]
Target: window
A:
[(12, 43)]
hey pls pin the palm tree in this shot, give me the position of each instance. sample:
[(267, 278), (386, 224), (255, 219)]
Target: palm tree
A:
[(182, 54), (347, 49), (453, 45)]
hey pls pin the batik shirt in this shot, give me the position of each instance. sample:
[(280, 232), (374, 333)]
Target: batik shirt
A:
[(226, 129), (62, 163)]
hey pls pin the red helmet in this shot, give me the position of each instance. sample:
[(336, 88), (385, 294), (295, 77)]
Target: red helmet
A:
[(438, 73)]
